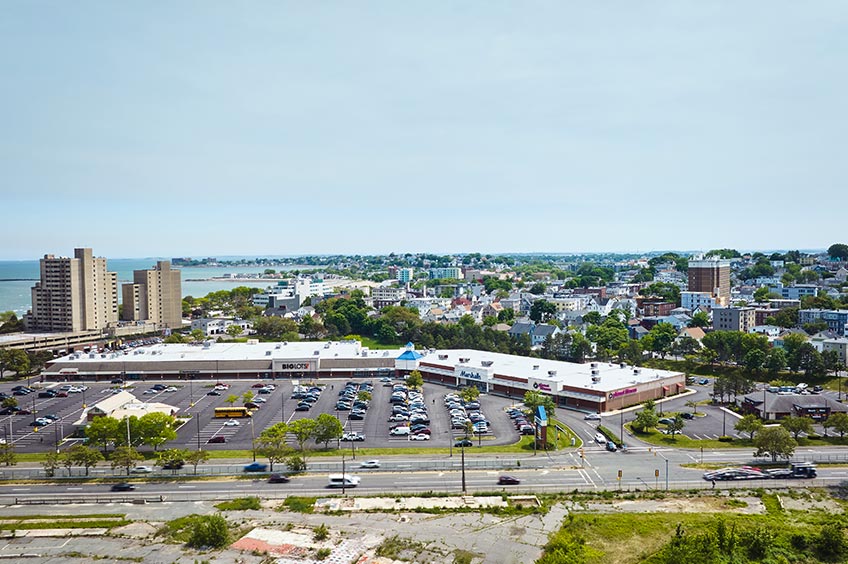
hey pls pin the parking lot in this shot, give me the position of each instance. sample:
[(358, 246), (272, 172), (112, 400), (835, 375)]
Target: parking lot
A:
[(191, 396)]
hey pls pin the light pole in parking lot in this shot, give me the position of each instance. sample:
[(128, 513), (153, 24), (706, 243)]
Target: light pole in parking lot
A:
[(283, 404), (197, 420)]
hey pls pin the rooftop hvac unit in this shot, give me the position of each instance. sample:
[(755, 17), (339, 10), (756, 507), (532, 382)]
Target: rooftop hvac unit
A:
[(91, 355), (464, 360), (594, 365), (535, 367), (551, 372), (316, 353), (595, 372), (487, 362), (443, 357), (267, 353), (596, 378), (277, 346), (637, 371), (623, 365), (326, 345)]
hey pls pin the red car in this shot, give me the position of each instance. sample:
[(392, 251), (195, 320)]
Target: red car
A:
[(218, 439)]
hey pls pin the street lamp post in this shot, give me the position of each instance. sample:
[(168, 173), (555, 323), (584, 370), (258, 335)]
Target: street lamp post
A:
[(197, 420), (343, 474), (252, 438)]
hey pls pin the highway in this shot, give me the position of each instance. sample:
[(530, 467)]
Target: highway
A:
[(642, 470)]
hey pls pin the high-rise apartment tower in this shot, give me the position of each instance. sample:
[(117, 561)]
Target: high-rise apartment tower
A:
[(74, 294), (710, 274), (155, 295)]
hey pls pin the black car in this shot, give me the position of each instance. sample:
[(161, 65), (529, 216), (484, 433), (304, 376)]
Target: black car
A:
[(463, 443), (173, 465), (278, 479), (122, 487), (508, 481), (214, 393), (47, 394), (117, 381), (302, 407)]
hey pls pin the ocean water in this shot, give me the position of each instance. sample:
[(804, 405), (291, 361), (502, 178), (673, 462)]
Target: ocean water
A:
[(18, 277)]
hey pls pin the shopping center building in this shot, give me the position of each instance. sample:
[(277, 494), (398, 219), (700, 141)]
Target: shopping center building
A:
[(595, 386)]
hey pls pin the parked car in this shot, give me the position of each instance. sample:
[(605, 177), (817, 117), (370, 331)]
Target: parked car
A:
[(142, 470), (508, 481), (419, 437), (217, 439), (231, 423), (278, 479), (463, 443), (214, 393), (255, 467)]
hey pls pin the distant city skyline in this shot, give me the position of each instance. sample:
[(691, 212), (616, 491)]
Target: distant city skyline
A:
[(198, 129)]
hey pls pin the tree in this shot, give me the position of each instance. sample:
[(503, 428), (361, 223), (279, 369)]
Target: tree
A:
[(775, 361), (125, 457), (415, 380), (271, 443), (7, 454), (676, 425), (754, 360), (646, 419), (506, 315), (693, 404), (750, 424), (50, 463), (532, 400), (15, 360), (197, 335), (85, 456), (775, 442), (839, 422), (231, 399), (538, 288), (8, 402), (103, 431), (469, 393), (234, 330), (209, 531), (172, 456), (838, 251), (327, 428), (276, 328), (797, 425), (660, 338), (302, 430), (592, 318), (542, 310), (248, 396), (196, 457), (700, 319), (155, 429)]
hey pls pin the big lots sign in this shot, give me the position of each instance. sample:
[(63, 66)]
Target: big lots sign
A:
[(293, 366)]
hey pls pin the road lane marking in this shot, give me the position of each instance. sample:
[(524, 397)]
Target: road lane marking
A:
[(184, 487), (74, 489)]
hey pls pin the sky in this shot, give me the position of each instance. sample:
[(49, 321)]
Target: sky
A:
[(289, 128)]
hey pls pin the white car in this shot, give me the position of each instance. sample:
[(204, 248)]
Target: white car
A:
[(142, 470), (370, 464), (601, 439), (259, 400), (231, 423), (592, 417), (419, 437), (170, 389)]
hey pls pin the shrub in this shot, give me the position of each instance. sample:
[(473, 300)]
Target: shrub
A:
[(725, 439), (830, 543), (239, 504), (323, 553), (209, 531), (299, 504), (321, 532)]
